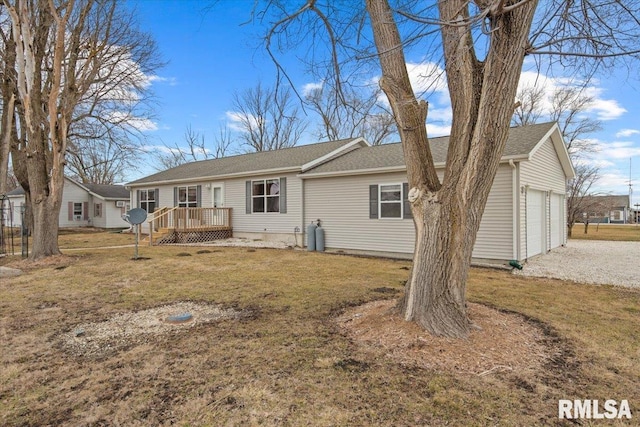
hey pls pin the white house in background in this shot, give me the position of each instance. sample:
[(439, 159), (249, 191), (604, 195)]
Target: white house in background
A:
[(83, 205), (359, 193)]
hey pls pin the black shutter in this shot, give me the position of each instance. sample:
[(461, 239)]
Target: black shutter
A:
[(373, 201), (283, 195), (406, 208), (248, 197), (199, 196)]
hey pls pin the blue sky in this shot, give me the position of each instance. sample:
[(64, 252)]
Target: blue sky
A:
[(211, 54)]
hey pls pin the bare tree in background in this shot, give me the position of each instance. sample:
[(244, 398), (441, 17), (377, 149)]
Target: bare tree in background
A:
[(267, 118), (68, 54), (350, 114), (100, 161), (577, 191), (568, 106), (482, 46), (195, 150)]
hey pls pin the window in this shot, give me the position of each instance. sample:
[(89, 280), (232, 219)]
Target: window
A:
[(391, 201), (97, 210), (188, 197), (77, 211), (148, 200), (265, 195)]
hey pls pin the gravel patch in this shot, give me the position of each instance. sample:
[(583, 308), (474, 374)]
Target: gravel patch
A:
[(244, 243), (590, 261), (132, 328)]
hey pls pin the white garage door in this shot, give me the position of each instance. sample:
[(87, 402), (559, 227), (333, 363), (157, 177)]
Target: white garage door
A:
[(535, 222), (556, 209)]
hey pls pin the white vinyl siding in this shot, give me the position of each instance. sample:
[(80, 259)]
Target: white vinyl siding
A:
[(495, 235), (556, 230), (342, 203), (543, 173), (73, 193), (266, 222)]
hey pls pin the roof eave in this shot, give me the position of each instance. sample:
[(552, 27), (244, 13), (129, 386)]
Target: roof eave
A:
[(335, 153), (213, 177)]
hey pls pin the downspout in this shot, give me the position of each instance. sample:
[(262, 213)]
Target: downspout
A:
[(516, 210), (525, 190), (302, 212)]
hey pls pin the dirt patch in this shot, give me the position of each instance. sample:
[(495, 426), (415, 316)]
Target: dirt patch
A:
[(504, 341), (133, 328), (55, 261)]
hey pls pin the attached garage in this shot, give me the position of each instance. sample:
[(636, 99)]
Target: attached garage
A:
[(535, 223), (556, 219), (521, 218)]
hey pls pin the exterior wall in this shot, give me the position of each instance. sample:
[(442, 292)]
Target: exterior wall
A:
[(270, 223), (111, 215), (543, 173), (72, 193), (342, 204), (14, 216), (266, 226)]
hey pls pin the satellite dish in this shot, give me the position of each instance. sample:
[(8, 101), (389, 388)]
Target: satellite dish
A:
[(136, 216)]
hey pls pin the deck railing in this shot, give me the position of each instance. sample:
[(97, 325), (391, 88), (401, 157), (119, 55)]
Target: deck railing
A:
[(190, 219)]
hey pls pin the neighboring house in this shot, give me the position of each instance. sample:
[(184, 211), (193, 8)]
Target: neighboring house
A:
[(606, 209), (359, 192), (83, 205)]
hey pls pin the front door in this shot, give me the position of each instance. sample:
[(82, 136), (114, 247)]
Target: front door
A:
[(217, 199), (217, 196)]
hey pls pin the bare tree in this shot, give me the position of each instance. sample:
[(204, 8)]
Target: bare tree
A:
[(577, 191), (195, 150), (351, 114), (100, 161), (68, 54), (267, 119), (529, 108), (483, 45)]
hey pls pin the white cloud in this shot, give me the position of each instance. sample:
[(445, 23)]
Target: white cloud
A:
[(138, 123), (308, 88), (171, 81), (438, 130), (238, 121), (426, 77), (604, 109), (625, 133)]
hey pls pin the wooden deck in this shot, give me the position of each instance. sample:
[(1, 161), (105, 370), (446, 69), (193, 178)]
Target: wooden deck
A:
[(189, 225)]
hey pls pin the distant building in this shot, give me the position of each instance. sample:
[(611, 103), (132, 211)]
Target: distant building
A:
[(607, 209), (83, 205)]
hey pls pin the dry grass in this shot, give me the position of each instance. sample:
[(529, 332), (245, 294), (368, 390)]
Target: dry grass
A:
[(288, 362), (629, 233)]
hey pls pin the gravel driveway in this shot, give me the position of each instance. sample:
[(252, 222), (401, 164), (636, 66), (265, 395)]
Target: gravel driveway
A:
[(590, 261)]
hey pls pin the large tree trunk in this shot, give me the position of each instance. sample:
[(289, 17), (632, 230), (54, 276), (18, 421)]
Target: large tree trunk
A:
[(447, 216), (45, 229)]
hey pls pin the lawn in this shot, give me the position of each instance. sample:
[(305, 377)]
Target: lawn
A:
[(285, 360), (629, 233)]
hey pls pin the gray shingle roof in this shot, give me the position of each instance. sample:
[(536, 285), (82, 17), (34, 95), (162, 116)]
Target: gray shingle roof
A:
[(293, 157), (606, 202), (109, 191), (105, 191), (19, 191), (522, 140)]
